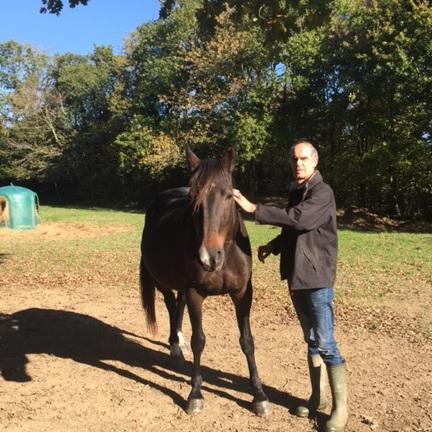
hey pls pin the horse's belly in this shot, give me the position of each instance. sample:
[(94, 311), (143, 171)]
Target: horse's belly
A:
[(165, 258)]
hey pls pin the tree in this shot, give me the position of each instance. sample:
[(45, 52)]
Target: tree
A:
[(361, 87), (56, 6), (201, 93), (227, 98), (278, 19), (88, 85), (156, 60), (155, 68), (56, 119), (32, 118), (387, 86)]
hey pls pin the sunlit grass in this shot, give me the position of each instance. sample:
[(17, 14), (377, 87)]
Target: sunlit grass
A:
[(390, 270)]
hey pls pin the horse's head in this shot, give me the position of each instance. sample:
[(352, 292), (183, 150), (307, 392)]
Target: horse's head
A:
[(214, 212)]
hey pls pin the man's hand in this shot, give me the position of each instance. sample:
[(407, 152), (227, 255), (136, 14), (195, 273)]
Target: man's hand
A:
[(245, 204), (264, 251)]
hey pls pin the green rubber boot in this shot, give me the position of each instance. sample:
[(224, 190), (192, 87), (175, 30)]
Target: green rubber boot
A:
[(338, 384), (317, 375)]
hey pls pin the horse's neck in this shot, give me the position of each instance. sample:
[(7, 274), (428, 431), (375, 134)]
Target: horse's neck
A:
[(236, 226)]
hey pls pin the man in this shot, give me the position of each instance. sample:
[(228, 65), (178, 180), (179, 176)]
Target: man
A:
[(307, 246)]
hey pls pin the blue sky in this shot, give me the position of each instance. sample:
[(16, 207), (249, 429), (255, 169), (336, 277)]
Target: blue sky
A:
[(77, 30)]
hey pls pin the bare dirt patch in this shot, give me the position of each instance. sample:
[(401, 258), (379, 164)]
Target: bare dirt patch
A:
[(63, 231), (77, 356)]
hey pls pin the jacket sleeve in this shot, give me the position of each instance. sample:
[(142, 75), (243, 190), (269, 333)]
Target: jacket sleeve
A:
[(305, 216)]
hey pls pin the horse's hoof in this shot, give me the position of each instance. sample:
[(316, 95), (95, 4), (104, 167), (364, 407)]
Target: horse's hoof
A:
[(195, 406), (262, 408)]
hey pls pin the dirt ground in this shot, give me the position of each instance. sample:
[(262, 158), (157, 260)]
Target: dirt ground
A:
[(77, 357)]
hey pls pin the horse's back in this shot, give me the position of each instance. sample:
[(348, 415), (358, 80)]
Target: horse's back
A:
[(169, 204), (168, 213)]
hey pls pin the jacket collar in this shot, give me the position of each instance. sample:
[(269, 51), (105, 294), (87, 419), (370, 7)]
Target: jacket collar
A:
[(315, 179)]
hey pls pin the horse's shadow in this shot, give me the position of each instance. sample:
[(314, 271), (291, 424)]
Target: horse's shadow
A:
[(3, 257), (90, 341)]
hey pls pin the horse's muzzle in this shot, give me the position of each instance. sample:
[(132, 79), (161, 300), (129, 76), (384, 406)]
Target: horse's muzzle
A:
[(211, 259)]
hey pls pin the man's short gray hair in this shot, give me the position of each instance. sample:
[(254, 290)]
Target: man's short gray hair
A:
[(314, 151)]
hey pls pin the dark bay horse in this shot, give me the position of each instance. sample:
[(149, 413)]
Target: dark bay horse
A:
[(195, 242)]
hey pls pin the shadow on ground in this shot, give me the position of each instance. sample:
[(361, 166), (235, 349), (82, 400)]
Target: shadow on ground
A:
[(90, 341), (3, 257)]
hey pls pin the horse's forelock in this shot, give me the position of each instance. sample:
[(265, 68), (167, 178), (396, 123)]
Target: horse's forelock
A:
[(205, 175)]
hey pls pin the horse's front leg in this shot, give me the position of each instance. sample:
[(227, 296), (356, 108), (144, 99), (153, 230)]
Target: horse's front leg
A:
[(194, 302), (242, 305)]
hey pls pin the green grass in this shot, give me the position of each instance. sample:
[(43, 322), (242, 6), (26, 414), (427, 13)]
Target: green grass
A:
[(387, 272), (97, 216), (86, 239), (364, 256), (393, 259)]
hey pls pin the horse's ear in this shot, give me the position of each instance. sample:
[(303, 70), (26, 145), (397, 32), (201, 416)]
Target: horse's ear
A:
[(192, 159), (228, 160)]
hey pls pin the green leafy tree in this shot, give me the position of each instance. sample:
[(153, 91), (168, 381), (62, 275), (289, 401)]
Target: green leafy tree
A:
[(156, 63), (277, 19), (360, 87), (147, 162), (33, 123), (89, 85), (155, 68), (56, 6), (385, 82), (229, 81)]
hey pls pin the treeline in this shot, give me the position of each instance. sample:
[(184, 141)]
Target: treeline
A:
[(354, 76)]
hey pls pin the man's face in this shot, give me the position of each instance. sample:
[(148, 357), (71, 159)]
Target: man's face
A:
[(303, 162)]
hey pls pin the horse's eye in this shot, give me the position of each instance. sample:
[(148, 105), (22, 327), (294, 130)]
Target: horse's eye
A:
[(229, 195)]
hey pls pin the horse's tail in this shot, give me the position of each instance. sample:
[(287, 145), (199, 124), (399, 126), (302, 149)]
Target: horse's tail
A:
[(148, 289)]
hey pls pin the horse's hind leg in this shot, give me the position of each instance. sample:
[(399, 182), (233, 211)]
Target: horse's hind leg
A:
[(175, 312), (181, 303), (242, 305)]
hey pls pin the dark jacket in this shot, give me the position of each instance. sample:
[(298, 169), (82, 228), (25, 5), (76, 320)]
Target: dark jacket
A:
[(308, 241)]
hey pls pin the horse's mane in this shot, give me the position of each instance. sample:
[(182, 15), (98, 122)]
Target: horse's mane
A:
[(204, 177)]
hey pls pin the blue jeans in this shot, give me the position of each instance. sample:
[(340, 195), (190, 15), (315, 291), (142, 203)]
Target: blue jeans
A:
[(314, 309)]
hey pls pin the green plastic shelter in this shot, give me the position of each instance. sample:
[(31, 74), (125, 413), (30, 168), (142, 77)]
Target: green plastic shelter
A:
[(18, 208)]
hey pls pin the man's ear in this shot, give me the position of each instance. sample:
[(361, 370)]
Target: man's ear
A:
[(228, 160), (192, 159)]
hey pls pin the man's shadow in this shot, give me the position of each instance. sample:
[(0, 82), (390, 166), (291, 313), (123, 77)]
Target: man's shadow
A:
[(90, 341)]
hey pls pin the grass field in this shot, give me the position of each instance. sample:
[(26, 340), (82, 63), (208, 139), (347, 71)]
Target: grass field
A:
[(384, 280)]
